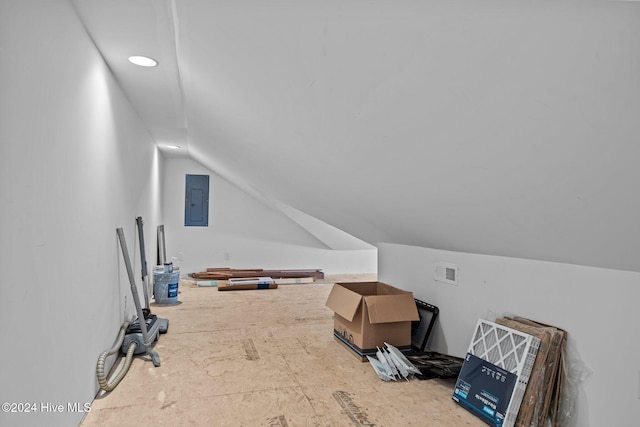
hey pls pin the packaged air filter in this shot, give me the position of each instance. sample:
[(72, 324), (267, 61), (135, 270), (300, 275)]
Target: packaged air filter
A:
[(495, 373)]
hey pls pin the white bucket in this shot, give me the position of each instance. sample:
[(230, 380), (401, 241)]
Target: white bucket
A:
[(165, 287)]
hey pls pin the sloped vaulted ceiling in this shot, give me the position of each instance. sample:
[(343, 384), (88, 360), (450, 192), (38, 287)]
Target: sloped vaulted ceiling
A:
[(493, 127)]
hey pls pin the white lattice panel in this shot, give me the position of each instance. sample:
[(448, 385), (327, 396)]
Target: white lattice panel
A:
[(505, 347)]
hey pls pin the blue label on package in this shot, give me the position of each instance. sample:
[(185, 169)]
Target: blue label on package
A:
[(484, 389), (173, 290)]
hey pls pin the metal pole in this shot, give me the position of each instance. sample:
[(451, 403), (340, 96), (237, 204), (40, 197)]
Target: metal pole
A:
[(143, 263)]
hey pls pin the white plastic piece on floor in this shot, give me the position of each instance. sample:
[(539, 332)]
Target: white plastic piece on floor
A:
[(380, 370), (402, 359), (384, 363)]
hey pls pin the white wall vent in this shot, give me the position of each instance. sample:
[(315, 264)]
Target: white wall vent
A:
[(446, 272)]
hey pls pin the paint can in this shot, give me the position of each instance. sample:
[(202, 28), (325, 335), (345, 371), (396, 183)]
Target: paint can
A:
[(165, 287)]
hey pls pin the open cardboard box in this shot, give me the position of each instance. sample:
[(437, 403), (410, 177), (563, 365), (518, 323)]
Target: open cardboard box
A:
[(368, 314)]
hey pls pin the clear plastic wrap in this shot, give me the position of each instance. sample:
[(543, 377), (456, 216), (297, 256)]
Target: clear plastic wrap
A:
[(574, 373)]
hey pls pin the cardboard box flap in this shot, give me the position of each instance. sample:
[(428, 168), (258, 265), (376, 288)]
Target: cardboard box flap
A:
[(344, 302), (391, 308)]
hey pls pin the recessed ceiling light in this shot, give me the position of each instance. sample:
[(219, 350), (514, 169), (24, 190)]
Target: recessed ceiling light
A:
[(173, 147), (143, 61)]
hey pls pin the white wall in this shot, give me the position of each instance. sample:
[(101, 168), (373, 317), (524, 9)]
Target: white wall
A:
[(75, 165), (253, 234), (597, 307), (509, 127)]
